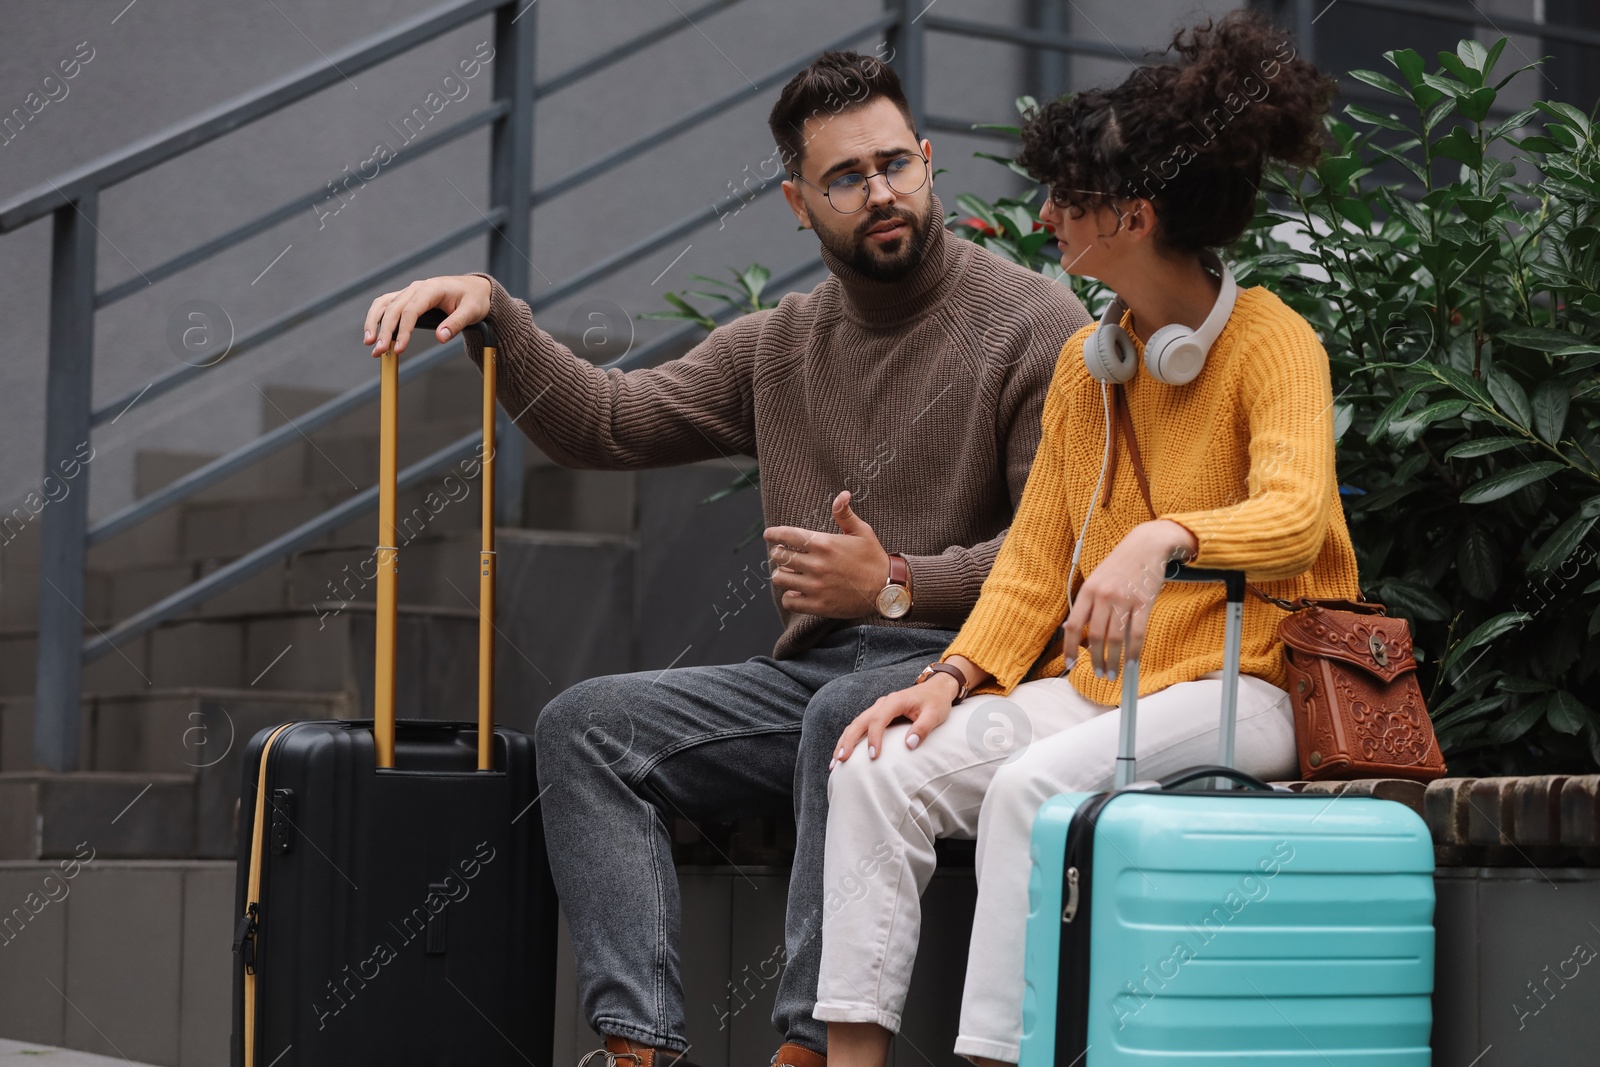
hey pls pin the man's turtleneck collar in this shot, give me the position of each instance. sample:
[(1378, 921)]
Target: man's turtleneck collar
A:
[(878, 304)]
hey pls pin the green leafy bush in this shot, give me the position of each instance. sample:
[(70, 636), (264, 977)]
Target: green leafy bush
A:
[(1463, 323)]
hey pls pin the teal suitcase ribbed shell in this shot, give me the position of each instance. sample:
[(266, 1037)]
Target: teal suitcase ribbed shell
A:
[(1264, 929)]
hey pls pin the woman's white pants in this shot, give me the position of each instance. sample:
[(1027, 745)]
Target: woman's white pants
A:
[(985, 772)]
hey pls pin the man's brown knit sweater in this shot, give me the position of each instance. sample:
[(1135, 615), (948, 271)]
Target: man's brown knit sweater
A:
[(922, 397)]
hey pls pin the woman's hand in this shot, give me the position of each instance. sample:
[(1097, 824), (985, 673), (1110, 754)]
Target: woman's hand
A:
[(463, 297), (1124, 587), (926, 705)]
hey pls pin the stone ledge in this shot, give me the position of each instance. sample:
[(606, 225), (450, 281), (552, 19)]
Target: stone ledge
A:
[(1548, 820)]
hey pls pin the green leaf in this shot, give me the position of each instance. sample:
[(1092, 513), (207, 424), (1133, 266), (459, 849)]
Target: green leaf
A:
[(1381, 81), (1450, 86), (1520, 721), (1478, 562), (1410, 164), (1543, 145), (1438, 111), (1483, 633), (1513, 684), (1471, 711), (1435, 412), (1538, 338), (1415, 601), (1478, 209), (1356, 211), (1510, 398), (1550, 403), (1409, 63), (1473, 54), (1343, 416), (1513, 123), (1334, 172), (1395, 409), (1481, 446), (1373, 118), (1562, 543), (1487, 67), (1464, 384), (1565, 113), (978, 208), (1459, 146), (1458, 69), (1507, 482), (1566, 712)]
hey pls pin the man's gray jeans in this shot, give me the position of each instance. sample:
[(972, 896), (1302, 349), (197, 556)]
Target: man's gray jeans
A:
[(619, 756)]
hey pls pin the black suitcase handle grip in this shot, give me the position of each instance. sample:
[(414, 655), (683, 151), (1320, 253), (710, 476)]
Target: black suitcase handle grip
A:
[(429, 320), (1191, 774), (1233, 581)]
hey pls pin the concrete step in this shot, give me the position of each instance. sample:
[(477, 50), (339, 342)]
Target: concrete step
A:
[(184, 731), (14, 1053), (19, 650), (44, 815)]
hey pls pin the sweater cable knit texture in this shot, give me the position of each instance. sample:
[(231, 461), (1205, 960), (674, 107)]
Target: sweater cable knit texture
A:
[(1243, 457), (922, 397)]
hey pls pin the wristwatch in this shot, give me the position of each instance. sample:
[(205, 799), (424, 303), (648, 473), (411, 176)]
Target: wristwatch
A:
[(953, 671), (894, 599)]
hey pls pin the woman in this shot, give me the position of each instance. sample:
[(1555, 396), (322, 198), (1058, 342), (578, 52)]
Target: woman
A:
[(1218, 449)]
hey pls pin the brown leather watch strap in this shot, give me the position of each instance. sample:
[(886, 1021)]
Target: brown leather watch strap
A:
[(899, 570), (953, 671)]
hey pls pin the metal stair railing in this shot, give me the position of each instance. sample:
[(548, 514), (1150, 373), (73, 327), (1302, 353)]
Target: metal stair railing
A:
[(72, 201)]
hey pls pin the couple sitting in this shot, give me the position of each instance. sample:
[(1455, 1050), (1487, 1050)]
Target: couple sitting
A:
[(949, 361)]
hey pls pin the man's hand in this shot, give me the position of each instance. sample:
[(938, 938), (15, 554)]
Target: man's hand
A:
[(1123, 586), (463, 297), (926, 705), (837, 576)]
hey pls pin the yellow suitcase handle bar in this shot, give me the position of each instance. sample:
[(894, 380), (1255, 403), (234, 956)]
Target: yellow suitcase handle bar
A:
[(388, 556)]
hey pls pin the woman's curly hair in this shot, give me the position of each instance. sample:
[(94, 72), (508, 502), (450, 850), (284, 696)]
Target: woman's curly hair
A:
[(1191, 136)]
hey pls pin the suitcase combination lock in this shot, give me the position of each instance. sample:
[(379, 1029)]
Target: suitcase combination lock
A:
[(1071, 910)]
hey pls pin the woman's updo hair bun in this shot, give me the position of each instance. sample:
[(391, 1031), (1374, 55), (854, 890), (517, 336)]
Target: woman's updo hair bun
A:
[(1191, 136)]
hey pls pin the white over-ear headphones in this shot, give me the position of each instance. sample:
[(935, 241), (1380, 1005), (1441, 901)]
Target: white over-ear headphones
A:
[(1174, 354)]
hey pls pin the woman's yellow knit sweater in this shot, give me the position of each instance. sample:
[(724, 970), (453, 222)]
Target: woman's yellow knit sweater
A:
[(1242, 457)]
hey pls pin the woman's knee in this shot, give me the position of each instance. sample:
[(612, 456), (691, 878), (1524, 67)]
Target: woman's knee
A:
[(888, 782)]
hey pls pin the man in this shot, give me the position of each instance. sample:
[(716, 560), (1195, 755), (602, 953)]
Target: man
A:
[(895, 411)]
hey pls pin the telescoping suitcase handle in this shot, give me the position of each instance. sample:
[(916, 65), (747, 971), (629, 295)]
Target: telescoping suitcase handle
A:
[(1234, 587), (389, 553)]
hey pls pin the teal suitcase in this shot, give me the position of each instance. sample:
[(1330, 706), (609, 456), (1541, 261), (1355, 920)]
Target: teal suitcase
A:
[(1223, 926)]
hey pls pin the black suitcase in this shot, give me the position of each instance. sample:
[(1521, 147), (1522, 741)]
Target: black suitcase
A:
[(394, 903)]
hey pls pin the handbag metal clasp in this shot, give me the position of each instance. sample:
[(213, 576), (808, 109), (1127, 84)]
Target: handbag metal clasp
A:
[(1379, 652)]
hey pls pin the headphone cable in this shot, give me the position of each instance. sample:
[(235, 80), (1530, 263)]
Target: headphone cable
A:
[(1105, 463)]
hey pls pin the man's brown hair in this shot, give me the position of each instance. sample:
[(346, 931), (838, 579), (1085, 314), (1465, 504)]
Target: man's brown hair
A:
[(835, 82)]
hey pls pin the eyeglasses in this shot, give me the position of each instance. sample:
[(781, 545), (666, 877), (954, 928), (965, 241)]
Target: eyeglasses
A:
[(849, 193), (1107, 200), (1059, 198)]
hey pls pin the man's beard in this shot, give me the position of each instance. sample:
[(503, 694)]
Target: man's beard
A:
[(889, 263)]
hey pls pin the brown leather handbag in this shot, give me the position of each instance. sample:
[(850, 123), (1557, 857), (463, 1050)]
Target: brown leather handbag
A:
[(1358, 709)]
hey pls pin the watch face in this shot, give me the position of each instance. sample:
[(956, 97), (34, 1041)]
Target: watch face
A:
[(893, 601)]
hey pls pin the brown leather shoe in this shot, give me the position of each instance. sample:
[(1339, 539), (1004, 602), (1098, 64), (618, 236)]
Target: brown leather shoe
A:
[(621, 1052), (791, 1055)]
